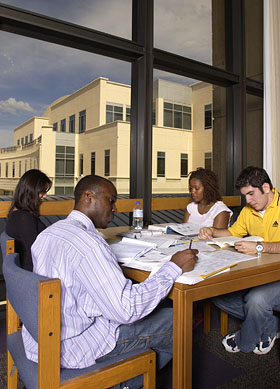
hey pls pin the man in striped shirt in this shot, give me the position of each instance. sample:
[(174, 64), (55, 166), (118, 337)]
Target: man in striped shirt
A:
[(102, 312)]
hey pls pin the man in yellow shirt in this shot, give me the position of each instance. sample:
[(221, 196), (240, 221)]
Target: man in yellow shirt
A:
[(260, 217)]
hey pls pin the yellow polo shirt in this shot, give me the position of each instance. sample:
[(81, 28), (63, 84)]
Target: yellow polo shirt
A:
[(250, 222)]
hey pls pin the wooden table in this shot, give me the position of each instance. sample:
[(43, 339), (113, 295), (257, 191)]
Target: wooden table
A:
[(244, 275)]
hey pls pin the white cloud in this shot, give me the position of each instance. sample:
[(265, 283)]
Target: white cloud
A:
[(12, 106)]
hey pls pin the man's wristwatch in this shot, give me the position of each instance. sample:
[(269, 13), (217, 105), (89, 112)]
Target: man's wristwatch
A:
[(259, 248)]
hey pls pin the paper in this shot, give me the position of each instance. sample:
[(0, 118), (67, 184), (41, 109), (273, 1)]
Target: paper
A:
[(128, 249), (207, 263), (187, 229), (230, 240)]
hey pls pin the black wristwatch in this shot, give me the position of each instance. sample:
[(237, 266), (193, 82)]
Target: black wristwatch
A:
[(259, 248)]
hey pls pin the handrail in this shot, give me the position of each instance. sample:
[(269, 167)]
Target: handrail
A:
[(64, 207)]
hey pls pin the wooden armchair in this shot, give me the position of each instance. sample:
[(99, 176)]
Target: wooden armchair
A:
[(36, 301)]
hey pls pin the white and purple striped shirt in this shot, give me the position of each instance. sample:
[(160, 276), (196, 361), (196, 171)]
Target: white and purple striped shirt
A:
[(95, 296)]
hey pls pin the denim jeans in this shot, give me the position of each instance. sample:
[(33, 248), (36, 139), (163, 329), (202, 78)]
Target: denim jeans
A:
[(153, 332), (255, 307)]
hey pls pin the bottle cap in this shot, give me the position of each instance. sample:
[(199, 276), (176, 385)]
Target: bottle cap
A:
[(138, 202)]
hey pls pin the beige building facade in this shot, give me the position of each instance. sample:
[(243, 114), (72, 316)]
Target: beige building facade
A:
[(88, 132)]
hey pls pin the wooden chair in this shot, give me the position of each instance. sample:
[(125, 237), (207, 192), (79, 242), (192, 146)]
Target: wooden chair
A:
[(36, 300)]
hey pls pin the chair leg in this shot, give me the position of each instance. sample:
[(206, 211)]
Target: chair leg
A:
[(224, 323), (11, 379), (206, 317)]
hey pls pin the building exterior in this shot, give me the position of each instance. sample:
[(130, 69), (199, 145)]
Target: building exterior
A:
[(88, 132)]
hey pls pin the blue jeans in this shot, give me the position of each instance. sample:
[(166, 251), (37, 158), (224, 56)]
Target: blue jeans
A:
[(255, 307), (153, 332)]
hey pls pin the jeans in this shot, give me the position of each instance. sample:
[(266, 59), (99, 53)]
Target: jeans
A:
[(255, 307), (153, 332)]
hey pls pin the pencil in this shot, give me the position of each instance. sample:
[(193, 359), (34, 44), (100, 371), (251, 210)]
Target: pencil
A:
[(190, 245), (217, 271)]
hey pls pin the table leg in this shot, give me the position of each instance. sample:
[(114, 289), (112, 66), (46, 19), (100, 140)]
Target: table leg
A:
[(182, 339)]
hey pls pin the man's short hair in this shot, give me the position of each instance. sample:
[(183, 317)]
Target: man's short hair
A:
[(254, 176), (90, 182)]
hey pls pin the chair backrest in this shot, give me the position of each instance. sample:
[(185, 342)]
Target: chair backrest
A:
[(4, 238), (22, 290)]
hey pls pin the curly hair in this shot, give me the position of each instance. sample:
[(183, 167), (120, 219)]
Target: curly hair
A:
[(26, 197), (210, 183), (254, 176)]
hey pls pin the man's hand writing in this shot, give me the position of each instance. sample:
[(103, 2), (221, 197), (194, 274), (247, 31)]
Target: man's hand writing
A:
[(185, 259)]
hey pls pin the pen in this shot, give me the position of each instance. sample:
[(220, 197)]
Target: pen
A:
[(217, 271), (190, 245)]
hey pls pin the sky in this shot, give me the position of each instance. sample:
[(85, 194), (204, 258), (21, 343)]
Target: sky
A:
[(33, 73)]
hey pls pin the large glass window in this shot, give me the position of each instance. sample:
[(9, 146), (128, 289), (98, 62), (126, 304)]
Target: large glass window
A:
[(72, 123), (177, 116), (114, 112), (107, 163), (82, 121), (160, 164), (92, 164), (55, 126), (30, 138), (184, 165), (65, 156), (208, 116)]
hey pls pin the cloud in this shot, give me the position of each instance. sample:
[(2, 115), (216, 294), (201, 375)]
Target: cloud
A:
[(12, 106)]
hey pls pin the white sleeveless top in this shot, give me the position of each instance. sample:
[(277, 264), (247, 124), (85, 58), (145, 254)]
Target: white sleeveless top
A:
[(207, 219)]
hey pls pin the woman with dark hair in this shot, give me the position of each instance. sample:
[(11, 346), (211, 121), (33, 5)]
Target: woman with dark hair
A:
[(23, 222), (207, 208)]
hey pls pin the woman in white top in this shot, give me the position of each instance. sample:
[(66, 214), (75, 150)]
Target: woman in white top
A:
[(207, 208)]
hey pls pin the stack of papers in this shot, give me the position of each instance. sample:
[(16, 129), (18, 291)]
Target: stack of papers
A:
[(128, 249)]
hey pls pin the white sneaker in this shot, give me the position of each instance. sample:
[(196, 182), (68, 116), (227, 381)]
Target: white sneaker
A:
[(264, 347)]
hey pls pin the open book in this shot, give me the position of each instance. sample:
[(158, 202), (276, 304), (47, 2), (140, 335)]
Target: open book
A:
[(230, 240)]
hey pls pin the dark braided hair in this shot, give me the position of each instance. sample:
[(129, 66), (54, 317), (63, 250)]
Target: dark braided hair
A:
[(210, 183)]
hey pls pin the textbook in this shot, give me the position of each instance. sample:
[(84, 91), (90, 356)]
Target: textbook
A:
[(230, 240)]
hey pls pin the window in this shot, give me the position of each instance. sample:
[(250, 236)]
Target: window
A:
[(72, 123), (208, 161), (154, 114), (207, 116), (82, 121), (184, 165), (22, 140), (30, 138), (177, 116), (107, 163), (26, 139), (81, 164), (63, 125), (127, 118), (0, 169), (92, 165), (13, 169), (160, 164), (19, 169), (55, 126), (114, 112), (64, 165), (18, 142), (7, 169), (25, 165)]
